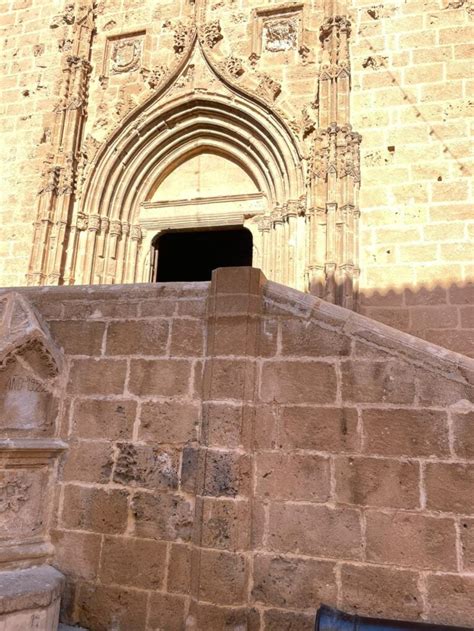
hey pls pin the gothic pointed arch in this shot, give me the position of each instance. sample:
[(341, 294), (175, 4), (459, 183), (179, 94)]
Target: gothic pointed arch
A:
[(155, 140)]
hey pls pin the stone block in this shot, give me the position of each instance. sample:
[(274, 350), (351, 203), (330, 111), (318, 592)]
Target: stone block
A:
[(451, 599), (103, 419), (133, 562), (207, 616), (463, 429), (381, 592), (34, 588), (237, 280), (449, 487), (160, 377), (137, 337), (162, 516), (225, 524), (171, 421), (227, 474), (277, 619), (319, 428), (145, 466), (298, 382), (96, 509), (88, 461), (230, 379), (179, 569), (97, 376), (222, 578), (78, 337), (315, 531), (293, 583), (167, 612), (306, 338), (187, 338), (377, 382), (467, 544), (102, 607), (401, 432), (233, 335), (377, 482), (411, 540), (293, 477), (77, 554), (223, 424), (192, 465)]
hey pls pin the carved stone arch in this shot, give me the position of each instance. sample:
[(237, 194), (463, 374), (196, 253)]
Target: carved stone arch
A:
[(159, 136)]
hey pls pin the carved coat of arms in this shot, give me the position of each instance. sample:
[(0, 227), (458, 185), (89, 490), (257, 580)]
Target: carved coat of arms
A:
[(125, 56), (280, 35)]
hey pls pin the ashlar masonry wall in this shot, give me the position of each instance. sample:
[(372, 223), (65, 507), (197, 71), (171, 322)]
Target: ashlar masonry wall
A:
[(240, 453), (412, 101)]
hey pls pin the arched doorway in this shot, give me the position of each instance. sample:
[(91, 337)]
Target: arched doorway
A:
[(192, 255), (193, 164)]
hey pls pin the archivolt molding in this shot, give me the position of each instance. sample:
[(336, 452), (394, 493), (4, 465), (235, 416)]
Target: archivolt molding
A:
[(127, 170)]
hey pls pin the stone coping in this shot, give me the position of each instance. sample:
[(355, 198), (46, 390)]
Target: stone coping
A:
[(366, 329), (125, 291), (32, 588), (32, 444)]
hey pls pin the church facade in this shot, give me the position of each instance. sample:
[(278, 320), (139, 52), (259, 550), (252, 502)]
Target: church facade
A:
[(334, 133)]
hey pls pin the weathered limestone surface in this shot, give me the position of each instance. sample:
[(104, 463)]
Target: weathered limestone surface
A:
[(121, 119), (265, 452), (30, 598), (31, 371)]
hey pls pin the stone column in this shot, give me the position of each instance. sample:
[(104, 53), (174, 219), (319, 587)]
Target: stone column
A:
[(222, 557)]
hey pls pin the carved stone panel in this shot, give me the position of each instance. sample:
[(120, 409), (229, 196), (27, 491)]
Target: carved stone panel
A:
[(22, 505), (27, 407), (123, 54), (280, 34), (277, 29)]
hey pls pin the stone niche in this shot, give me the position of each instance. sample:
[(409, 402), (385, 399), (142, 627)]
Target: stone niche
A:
[(31, 368)]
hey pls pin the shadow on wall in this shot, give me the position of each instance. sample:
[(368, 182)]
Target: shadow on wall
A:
[(442, 314)]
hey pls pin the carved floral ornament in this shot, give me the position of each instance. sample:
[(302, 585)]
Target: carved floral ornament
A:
[(211, 33)]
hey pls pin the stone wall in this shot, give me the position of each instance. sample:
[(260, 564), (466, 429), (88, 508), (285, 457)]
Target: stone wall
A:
[(411, 98), (241, 452), (412, 102)]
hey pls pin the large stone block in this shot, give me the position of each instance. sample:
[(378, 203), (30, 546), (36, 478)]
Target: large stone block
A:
[(160, 377), (293, 583), (377, 482), (298, 382), (315, 531), (162, 516), (132, 562), (381, 592), (291, 476), (95, 509), (411, 540)]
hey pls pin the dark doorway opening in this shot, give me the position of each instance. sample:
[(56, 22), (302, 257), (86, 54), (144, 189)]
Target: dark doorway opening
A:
[(192, 255)]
